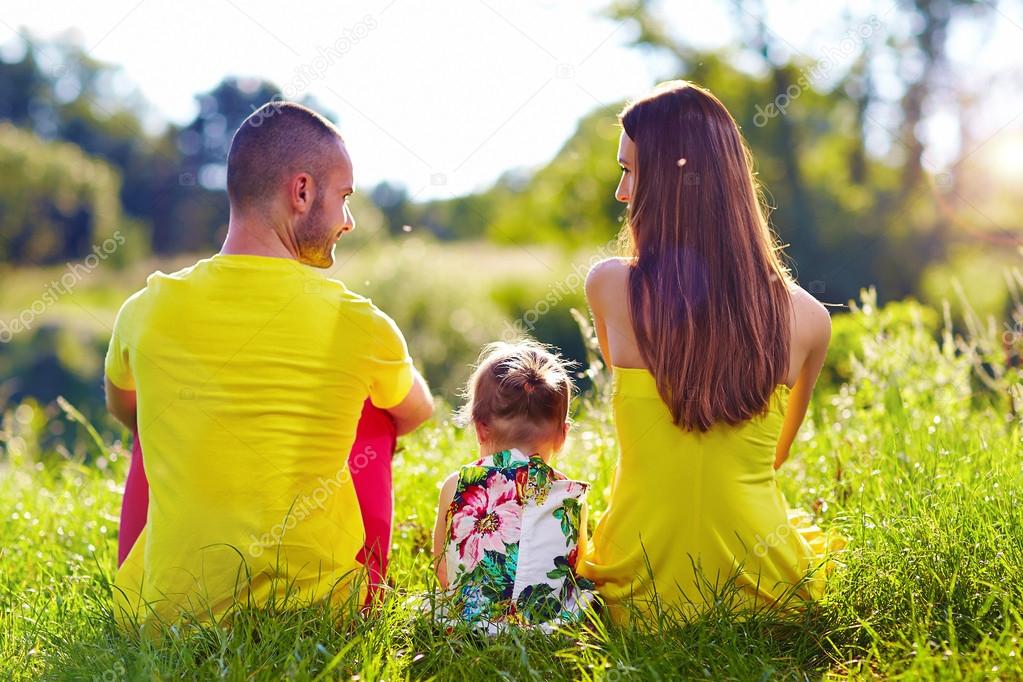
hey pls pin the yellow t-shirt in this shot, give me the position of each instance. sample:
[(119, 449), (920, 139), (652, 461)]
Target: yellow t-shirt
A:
[(250, 373)]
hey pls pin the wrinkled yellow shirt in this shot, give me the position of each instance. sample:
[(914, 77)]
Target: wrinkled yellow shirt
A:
[(251, 373)]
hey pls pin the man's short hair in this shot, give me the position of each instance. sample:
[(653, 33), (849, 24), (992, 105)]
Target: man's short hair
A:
[(277, 140)]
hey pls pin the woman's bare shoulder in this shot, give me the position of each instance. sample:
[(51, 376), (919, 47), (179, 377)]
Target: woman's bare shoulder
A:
[(812, 321), (607, 278)]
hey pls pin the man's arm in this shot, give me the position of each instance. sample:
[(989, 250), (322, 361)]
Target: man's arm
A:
[(121, 403), (117, 366), (415, 408)]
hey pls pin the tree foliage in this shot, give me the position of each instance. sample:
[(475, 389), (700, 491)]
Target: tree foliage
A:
[(55, 201)]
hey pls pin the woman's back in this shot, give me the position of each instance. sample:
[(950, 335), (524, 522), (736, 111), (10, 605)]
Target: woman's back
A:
[(689, 510), (706, 332), (607, 285)]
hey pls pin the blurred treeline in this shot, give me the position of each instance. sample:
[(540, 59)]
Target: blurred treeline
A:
[(82, 157), (851, 217)]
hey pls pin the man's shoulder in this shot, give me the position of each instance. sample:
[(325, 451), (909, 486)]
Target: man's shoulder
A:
[(181, 274), (337, 291), (157, 278), (351, 303), (155, 281)]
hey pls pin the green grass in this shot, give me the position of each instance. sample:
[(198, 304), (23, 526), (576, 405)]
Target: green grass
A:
[(910, 453)]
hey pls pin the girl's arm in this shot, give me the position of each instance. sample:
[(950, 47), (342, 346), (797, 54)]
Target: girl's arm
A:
[(440, 528), (817, 335)]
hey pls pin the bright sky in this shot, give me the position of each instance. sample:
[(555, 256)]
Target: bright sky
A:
[(442, 96)]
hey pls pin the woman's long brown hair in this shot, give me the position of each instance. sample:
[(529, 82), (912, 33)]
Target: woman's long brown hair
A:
[(708, 293)]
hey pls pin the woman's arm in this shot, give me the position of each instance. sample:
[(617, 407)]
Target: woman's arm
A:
[(597, 290), (816, 334), (440, 528)]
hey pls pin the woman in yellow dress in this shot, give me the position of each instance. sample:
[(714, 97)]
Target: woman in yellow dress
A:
[(715, 351)]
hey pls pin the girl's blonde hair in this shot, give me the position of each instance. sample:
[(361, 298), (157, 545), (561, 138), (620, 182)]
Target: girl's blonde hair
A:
[(520, 390)]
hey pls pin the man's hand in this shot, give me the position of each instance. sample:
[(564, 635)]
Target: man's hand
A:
[(415, 409), (122, 404)]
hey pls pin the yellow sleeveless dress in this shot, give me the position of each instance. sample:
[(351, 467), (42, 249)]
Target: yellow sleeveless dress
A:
[(690, 512)]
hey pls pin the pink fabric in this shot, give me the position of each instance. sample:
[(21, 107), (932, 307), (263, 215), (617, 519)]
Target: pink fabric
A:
[(135, 503), (370, 464)]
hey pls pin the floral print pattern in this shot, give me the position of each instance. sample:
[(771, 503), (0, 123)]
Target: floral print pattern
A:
[(488, 519), (513, 534)]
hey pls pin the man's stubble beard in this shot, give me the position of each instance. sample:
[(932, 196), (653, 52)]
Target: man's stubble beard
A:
[(314, 238)]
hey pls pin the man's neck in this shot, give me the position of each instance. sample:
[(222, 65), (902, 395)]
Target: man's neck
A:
[(248, 237)]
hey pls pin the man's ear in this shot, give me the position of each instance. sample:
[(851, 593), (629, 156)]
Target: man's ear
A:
[(300, 192)]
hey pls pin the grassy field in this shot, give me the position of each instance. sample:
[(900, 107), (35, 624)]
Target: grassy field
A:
[(912, 449)]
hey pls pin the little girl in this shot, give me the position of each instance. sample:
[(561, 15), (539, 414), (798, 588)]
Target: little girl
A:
[(509, 527)]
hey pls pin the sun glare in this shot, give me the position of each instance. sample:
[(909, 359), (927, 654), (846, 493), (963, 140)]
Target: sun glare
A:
[(1006, 157)]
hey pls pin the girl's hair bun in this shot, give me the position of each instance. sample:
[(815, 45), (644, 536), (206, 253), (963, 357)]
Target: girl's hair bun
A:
[(518, 389)]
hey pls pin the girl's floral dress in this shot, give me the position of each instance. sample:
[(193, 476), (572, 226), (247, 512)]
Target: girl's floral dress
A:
[(514, 531)]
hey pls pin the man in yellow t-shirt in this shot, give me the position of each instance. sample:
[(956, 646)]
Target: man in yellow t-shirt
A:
[(245, 376)]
